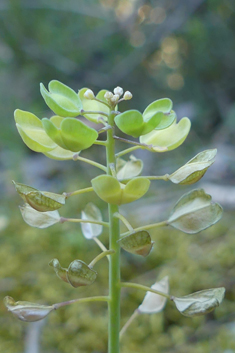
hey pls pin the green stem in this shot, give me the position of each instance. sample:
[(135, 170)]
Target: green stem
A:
[(100, 101), (114, 263), (76, 157), (81, 300), (100, 143), (128, 150), (148, 226), (78, 220), (145, 288), (100, 256), (78, 192), (141, 145), (93, 112), (161, 177), (124, 220)]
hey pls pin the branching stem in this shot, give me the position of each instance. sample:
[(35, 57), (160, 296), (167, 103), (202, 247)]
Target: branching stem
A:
[(93, 112), (77, 220), (100, 256), (81, 300), (78, 192), (148, 226), (127, 324), (124, 220), (76, 157), (128, 150)]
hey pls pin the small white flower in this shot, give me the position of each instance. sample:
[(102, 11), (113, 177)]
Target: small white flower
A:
[(127, 96), (89, 94), (118, 90)]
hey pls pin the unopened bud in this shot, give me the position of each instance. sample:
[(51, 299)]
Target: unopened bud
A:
[(118, 90), (89, 94), (127, 96), (115, 98), (108, 95)]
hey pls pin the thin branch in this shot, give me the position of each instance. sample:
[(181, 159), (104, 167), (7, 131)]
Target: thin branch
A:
[(81, 300), (145, 288), (148, 226), (127, 324), (76, 157), (77, 220)]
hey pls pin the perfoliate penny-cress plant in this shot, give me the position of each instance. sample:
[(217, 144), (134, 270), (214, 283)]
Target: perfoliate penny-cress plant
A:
[(64, 137)]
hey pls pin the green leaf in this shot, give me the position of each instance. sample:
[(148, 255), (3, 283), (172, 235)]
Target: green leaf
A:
[(194, 169), (27, 311), (110, 190), (93, 105), (41, 201), (91, 230), (154, 303), (138, 243), (39, 219), (32, 132), (169, 138), (130, 122), (128, 169), (60, 271), (80, 274), (61, 99), (60, 154), (195, 212), (163, 105), (200, 303), (72, 134)]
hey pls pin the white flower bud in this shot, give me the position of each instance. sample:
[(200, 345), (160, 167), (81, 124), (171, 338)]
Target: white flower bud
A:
[(115, 98), (118, 90), (127, 96), (89, 94), (108, 95)]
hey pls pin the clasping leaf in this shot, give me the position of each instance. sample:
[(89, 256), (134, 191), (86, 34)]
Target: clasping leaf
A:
[(39, 219), (138, 243), (91, 230), (154, 303), (27, 311), (128, 169), (61, 99), (169, 138), (200, 303), (194, 169), (194, 212), (70, 133), (41, 201), (112, 191)]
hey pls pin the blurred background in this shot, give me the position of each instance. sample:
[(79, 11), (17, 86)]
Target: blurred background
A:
[(181, 49)]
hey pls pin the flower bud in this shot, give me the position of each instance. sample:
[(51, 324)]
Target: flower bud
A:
[(118, 90), (108, 95), (115, 98), (89, 94), (127, 96)]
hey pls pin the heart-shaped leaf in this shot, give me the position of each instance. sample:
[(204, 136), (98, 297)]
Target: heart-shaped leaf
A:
[(194, 169), (154, 303), (72, 134), (61, 99), (200, 303), (90, 230), (32, 132), (80, 274), (138, 243), (169, 138), (41, 201), (110, 190), (27, 311), (129, 169), (195, 212), (39, 219), (60, 271)]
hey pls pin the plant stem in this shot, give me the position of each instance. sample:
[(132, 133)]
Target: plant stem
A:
[(124, 220), (100, 256), (114, 263), (81, 300), (78, 192), (94, 112), (78, 220), (100, 244), (76, 157), (128, 150), (127, 324), (161, 177), (145, 288), (148, 226)]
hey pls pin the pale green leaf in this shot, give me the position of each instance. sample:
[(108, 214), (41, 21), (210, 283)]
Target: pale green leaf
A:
[(138, 243), (128, 169), (39, 219), (200, 303), (91, 212)]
